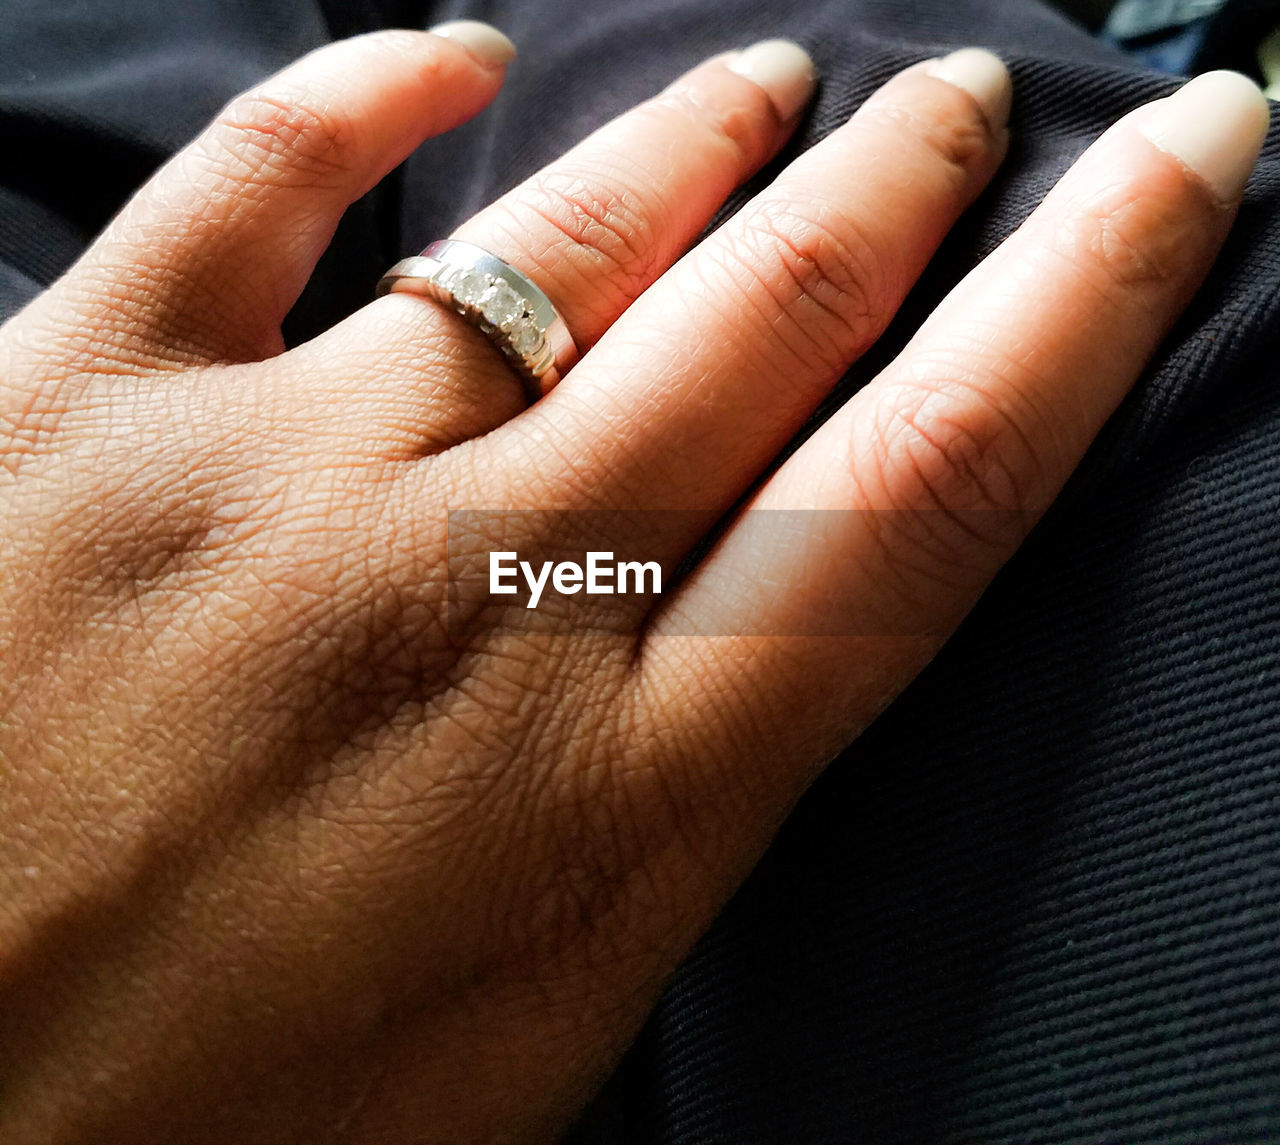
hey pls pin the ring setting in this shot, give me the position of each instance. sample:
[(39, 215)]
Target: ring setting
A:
[(498, 299)]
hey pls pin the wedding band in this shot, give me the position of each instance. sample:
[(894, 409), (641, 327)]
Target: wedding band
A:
[(494, 296)]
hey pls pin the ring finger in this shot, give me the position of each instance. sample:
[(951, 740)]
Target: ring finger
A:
[(593, 230)]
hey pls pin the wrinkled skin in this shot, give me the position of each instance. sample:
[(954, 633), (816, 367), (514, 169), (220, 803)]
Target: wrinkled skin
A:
[(291, 852)]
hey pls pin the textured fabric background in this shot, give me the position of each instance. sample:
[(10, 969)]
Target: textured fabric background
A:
[(1040, 900)]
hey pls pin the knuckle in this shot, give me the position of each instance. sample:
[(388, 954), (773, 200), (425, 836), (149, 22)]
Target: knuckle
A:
[(606, 220), (949, 483), (956, 140), (953, 449), (269, 137), (823, 270), (1127, 238), (735, 125)]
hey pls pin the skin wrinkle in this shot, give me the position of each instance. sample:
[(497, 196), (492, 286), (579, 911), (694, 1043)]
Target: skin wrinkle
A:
[(602, 223), (1020, 367), (915, 554), (737, 126), (956, 452), (62, 613), (42, 412), (605, 203), (320, 860), (313, 131), (122, 549), (600, 882), (663, 842), (430, 381), (833, 268), (1101, 277), (760, 301), (208, 305), (822, 168), (503, 789), (186, 315), (1036, 436), (706, 799), (963, 145)]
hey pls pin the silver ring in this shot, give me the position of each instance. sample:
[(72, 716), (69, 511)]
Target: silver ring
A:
[(491, 294)]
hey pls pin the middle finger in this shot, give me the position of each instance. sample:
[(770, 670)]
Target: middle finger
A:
[(728, 354)]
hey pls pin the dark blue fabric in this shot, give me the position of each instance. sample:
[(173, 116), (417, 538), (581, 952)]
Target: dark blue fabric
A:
[(1040, 900)]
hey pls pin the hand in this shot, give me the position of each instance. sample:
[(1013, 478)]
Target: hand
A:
[(292, 848)]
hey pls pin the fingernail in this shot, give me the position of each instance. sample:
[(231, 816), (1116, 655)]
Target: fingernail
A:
[(783, 69), (984, 77), (483, 41), (1215, 124)]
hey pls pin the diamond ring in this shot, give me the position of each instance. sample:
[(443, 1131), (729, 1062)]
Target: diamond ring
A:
[(491, 294)]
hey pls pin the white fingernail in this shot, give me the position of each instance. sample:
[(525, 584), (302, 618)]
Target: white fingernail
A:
[(1215, 124), (783, 69), (984, 76), (483, 41)]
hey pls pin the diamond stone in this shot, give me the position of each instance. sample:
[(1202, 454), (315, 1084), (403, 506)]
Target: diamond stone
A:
[(501, 305), (526, 337), (465, 284)]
